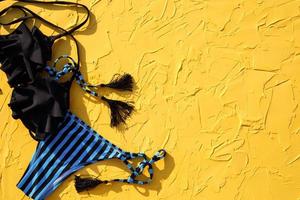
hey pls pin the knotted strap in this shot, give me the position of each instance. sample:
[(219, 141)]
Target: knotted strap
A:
[(84, 183), (135, 172), (120, 110), (70, 67)]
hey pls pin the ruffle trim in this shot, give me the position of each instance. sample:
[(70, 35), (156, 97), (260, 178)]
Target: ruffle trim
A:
[(41, 106), (23, 53)]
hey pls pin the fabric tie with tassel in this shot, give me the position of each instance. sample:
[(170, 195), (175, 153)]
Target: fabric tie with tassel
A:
[(86, 182), (119, 110), (119, 82), (82, 184)]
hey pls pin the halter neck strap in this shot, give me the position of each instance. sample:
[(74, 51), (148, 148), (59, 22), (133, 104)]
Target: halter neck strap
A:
[(27, 11), (29, 14)]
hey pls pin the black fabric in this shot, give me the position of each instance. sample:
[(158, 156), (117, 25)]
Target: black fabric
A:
[(39, 102), (41, 105), (31, 46), (23, 53)]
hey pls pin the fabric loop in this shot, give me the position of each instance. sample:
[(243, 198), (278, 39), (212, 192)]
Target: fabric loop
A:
[(158, 156), (65, 57), (69, 67), (23, 18), (135, 172), (24, 10)]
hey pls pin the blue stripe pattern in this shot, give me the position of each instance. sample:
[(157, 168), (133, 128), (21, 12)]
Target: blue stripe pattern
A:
[(73, 147), (78, 77)]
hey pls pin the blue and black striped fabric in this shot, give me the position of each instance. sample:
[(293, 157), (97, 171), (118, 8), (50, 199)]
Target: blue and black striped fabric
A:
[(72, 148), (78, 76)]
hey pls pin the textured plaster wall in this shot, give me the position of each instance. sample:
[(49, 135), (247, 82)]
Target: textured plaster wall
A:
[(218, 86)]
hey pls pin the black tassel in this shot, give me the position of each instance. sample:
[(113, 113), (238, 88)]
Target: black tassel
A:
[(82, 184), (120, 82), (119, 111)]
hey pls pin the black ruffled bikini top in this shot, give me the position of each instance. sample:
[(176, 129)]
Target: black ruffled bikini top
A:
[(23, 53), (39, 101)]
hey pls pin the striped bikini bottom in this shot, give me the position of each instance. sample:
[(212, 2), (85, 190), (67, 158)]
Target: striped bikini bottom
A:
[(75, 146)]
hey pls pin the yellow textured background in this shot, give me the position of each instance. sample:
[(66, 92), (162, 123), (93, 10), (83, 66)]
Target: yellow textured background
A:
[(218, 86)]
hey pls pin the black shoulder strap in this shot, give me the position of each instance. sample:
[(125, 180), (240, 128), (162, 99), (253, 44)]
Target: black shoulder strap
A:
[(63, 3), (29, 14), (27, 11), (5, 10)]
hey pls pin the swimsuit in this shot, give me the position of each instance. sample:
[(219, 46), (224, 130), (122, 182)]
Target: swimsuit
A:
[(23, 55), (65, 143), (75, 146)]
